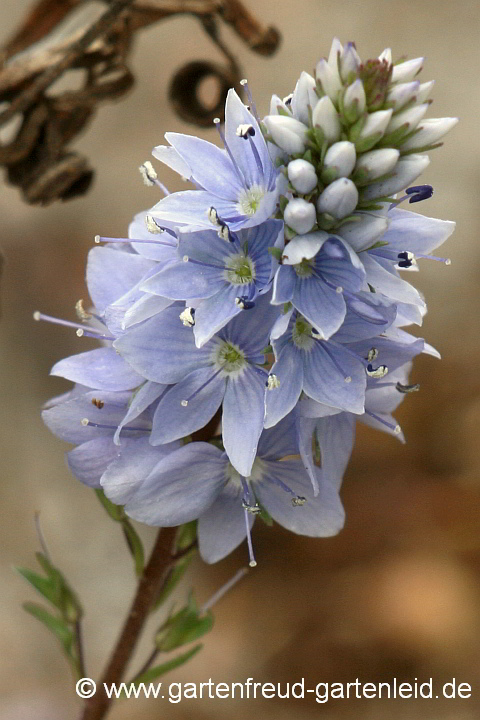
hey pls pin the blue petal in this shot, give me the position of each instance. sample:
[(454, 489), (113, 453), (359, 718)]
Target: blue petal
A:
[(112, 273), (321, 516), (170, 157), (279, 441), (416, 233), (181, 487), (172, 421), (222, 527), (146, 396), (145, 308), (336, 437), (162, 349), (184, 281), (190, 207), (284, 284), (340, 266), (89, 460), (281, 400), (214, 313), (242, 421), (321, 305), (210, 166), (383, 279), (164, 251), (135, 461), (324, 379), (251, 330), (100, 369)]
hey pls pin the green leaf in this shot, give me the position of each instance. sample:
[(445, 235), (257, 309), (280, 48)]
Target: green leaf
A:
[(182, 628), (159, 670), (56, 625), (116, 512), (44, 586), (135, 545)]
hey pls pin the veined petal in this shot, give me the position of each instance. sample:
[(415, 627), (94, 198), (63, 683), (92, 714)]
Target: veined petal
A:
[(215, 312), (143, 399), (184, 281), (89, 460), (336, 437), (222, 527), (324, 379), (242, 421), (112, 273), (288, 369), (100, 369), (180, 487)]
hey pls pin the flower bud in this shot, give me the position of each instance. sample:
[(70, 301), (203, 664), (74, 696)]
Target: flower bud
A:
[(354, 101), (300, 215), (302, 175), (399, 95), (377, 162), (407, 169), (424, 91), (406, 71), (373, 129), (303, 247), (349, 61), (341, 157), (304, 96), (326, 117), (289, 134), (339, 199), (329, 78), (430, 132), (410, 117)]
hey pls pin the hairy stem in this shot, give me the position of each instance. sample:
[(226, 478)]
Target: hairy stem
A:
[(149, 586)]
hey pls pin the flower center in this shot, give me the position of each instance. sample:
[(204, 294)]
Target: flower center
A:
[(304, 269), (249, 200), (302, 334), (240, 270), (229, 357)]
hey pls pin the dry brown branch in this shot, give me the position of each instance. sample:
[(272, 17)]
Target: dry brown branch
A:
[(61, 35)]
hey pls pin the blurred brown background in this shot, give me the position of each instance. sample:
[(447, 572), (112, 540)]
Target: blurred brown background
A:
[(397, 593)]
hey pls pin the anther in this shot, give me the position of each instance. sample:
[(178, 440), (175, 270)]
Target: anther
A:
[(243, 303), (298, 501), (419, 192), (272, 382), (184, 403), (407, 388), (406, 259), (84, 422), (80, 332), (317, 334), (252, 509), (348, 379), (287, 100), (185, 258), (152, 225), (97, 239), (188, 317), (150, 177), (98, 403), (244, 131), (82, 314), (372, 354), (378, 372)]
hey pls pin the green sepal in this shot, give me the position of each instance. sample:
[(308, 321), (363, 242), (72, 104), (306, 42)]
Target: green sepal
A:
[(186, 626), (159, 670), (357, 127), (283, 202), (282, 111), (378, 244), (286, 307), (56, 625), (116, 512), (265, 515), (329, 174), (276, 253), (326, 221), (397, 137), (267, 349), (367, 143), (424, 148), (135, 545)]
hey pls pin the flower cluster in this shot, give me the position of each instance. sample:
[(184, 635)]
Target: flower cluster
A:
[(267, 301)]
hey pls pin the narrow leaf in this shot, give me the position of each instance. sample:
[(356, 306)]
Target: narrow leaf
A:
[(56, 625), (135, 545), (160, 670)]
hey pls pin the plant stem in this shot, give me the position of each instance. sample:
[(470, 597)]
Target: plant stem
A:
[(149, 586)]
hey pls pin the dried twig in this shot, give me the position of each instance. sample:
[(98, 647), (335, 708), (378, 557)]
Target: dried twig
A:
[(61, 35)]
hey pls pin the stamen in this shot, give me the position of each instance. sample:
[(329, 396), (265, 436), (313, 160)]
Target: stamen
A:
[(252, 509), (87, 423), (414, 194), (298, 501), (218, 595), (244, 303), (405, 389), (229, 152), (152, 225), (244, 131), (396, 428), (287, 100), (100, 239), (150, 177), (251, 101), (252, 562), (184, 403), (98, 403), (378, 372), (188, 317), (272, 382), (81, 329), (224, 230), (372, 354), (406, 259)]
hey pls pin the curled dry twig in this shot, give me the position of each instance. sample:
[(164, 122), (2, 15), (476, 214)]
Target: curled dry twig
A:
[(37, 123)]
